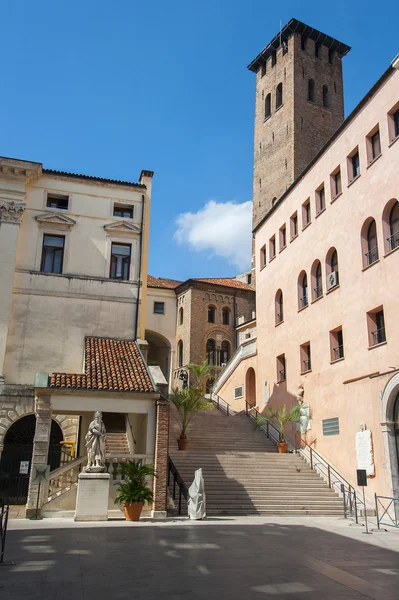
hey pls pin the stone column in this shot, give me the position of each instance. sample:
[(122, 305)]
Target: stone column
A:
[(161, 459), (10, 219), (40, 453)]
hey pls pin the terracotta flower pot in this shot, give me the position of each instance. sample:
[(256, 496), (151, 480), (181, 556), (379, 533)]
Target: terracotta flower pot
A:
[(282, 448), (182, 444), (133, 511)]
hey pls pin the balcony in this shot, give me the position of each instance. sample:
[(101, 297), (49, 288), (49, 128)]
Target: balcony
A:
[(281, 375), (338, 352), (372, 256), (393, 240), (318, 291), (306, 365), (304, 301), (378, 336)]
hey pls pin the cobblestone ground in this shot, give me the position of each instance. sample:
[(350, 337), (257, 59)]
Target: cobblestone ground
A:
[(238, 559)]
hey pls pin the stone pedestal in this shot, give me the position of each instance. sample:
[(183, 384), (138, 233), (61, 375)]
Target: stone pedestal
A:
[(92, 497)]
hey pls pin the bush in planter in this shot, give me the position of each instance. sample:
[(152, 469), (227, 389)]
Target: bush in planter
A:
[(190, 400), (133, 491), (282, 416)]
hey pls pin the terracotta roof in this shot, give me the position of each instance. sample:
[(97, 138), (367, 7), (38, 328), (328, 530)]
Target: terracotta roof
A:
[(160, 282), (227, 282), (93, 178), (114, 365)]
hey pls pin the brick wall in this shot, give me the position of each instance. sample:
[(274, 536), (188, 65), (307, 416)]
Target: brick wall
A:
[(161, 455)]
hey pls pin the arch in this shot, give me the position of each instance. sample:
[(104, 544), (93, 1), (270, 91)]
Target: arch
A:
[(212, 313), (326, 97), (311, 94), (369, 244), (159, 351), (316, 280), (279, 307), (390, 225), (224, 352), (211, 352), (332, 272), (181, 315), (226, 315), (390, 432), (180, 353), (279, 95), (303, 298), (250, 387), (268, 106)]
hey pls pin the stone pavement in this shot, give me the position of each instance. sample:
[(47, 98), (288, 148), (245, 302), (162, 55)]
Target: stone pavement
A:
[(236, 558)]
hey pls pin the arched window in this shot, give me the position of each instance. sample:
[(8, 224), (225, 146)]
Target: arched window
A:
[(279, 95), (369, 242), (211, 314), (303, 299), (211, 352), (181, 316), (332, 269), (317, 283), (180, 354), (226, 316), (311, 95), (224, 352), (268, 106), (326, 97), (279, 307), (390, 225)]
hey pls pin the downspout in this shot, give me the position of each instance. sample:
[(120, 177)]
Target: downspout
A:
[(235, 322), (141, 255)]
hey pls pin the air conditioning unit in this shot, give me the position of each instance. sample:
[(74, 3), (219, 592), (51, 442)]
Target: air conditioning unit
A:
[(332, 280)]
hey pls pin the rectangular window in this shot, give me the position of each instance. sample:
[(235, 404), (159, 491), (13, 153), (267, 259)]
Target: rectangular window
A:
[(376, 327), (393, 123), (320, 199), (124, 211), (274, 59), (120, 261), (294, 225), (238, 392), (263, 256), (52, 253), (336, 186), (249, 278), (396, 122), (306, 363), (306, 215), (375, 145), (263, 69), (159, 308), (336, 344), (353, 165), (283, 237), (281, 374), (272, 247), (57, 201), (331, 426)]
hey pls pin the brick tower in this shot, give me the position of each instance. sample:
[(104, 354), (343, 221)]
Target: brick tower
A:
[(299, 104)]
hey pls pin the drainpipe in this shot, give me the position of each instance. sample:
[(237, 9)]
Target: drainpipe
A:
[(141, 253), (235, 322)]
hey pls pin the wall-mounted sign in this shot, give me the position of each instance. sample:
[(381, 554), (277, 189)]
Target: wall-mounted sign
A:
[(24, 467)]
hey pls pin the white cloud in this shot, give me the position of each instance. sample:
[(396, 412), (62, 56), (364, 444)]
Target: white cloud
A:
[(221, 228)]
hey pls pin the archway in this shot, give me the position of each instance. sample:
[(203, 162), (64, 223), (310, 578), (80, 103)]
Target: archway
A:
[(159, 350), (16, 458), (250, 387), (390, 432)]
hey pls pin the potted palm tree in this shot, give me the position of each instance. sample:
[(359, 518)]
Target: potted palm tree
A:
[(190, 401), (282, 416), (133, 490)]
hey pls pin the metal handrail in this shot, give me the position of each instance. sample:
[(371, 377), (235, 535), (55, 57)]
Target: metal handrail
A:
[(389, 510), (338, 352), (304, 300), (177, 479), (4, 510), (222, 405), (318, 291), (131, 429), (271, 431), (372, 255), (323, 463)]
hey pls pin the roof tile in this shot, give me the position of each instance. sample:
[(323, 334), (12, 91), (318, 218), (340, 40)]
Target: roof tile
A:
[(161, 282)]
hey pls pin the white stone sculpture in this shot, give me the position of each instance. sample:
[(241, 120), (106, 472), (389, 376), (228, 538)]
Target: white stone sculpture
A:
[(364, 450), (95, 445), (196, 497), (304, 411)]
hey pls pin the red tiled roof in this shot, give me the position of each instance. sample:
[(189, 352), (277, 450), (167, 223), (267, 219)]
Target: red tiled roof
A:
[(114, 365), (160, 282), (226, 281)]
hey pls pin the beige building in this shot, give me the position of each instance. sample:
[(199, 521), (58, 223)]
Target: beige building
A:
[(73, 268)]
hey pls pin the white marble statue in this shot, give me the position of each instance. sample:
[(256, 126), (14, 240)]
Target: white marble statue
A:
[(196, 497), (95, 445), (304, 411)]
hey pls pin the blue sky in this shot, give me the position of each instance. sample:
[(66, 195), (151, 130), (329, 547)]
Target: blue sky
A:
[(108, 89)]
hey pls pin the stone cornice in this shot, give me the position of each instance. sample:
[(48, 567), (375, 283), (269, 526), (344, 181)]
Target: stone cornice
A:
[(12, 168), (122, 227), (11, 212), (55, 219)]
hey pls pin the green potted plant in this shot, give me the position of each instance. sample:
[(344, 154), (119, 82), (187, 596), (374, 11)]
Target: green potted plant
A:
[(190, 401), (133, 490), (282, 416)]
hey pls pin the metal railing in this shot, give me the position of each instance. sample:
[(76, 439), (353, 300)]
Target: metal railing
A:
[(222, 405), (306, 365), (304, 300), (387, 511), (372, 255), (271, 431), (393, 240), (279, 317), (318, 291), (281, 375), (378, 336), (177, 481), (338, 352), (4, 510)]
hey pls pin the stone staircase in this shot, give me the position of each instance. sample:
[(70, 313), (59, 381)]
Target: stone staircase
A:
[(117, 443), (244, 474)]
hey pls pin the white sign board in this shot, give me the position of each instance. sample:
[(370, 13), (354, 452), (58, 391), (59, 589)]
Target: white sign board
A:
[(24, 467), (364, 452)]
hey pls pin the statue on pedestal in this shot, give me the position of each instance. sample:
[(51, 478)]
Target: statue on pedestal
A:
[(95, 445), (304, 411)]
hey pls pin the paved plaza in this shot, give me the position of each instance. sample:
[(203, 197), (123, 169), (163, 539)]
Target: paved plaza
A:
[(236, 558)]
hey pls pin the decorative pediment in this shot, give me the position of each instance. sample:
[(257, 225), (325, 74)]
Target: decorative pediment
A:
[(56, 219), (122, 227)]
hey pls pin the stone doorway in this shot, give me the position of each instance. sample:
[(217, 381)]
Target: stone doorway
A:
[(250, 387)]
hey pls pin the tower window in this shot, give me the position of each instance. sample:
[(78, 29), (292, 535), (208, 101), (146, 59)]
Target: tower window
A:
[(57, 201), (268, 106), (279, 95), (263, 70), (331, 56), (274, 59), (326, 97), (211, 314), (311, 94), (317, 49), (304, 42)]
